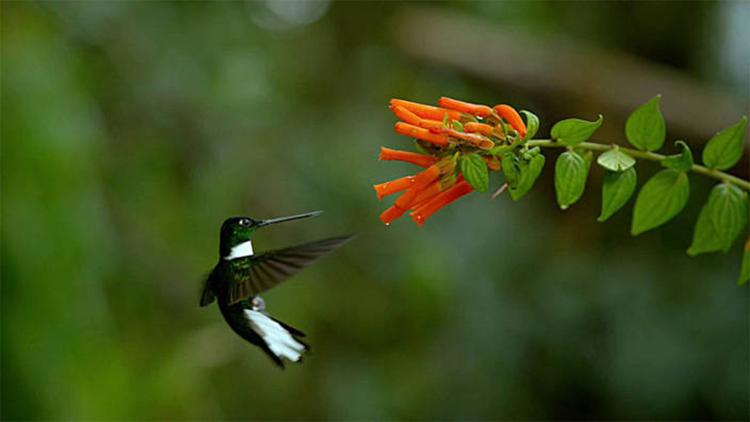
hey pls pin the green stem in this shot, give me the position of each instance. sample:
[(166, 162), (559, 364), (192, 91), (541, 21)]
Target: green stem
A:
[(645, 155)]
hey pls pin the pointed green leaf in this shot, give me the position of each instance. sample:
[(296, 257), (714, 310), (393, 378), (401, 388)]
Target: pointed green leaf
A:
[(728, 205), (617, 189), (725, 148), (457, 125), (571, 171), (474, 170), (745, 268), (616, 160), (529, 172), (721, 220), (532, 123), (680, 162), (660, 199), (510, 169), (572, 132), (645, 128), (705, 238)]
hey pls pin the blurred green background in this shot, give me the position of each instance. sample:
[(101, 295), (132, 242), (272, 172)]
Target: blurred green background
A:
[(130, 130)]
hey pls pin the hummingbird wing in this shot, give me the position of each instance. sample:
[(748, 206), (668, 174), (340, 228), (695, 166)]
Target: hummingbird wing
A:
[(271, 268), (208, 293)]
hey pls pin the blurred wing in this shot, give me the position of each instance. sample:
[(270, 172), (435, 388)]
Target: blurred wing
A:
[(208, 294), (271, 268)]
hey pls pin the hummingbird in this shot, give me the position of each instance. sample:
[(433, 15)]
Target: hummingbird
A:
[(241, 275)]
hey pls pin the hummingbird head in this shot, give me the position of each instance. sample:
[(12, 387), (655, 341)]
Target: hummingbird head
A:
[(237, 231)]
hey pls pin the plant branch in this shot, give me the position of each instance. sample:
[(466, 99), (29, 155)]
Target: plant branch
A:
[(645, 155)]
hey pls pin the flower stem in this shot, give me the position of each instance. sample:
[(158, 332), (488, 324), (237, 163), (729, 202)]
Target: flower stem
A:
[(645, 155)]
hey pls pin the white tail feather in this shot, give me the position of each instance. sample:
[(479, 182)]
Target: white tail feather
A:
[(278, 339)]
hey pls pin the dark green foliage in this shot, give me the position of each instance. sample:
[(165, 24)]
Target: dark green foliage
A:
[(679, 162), (617, 189), (532, 123), (571, 171), (475, 171), (745, 267), (660, 199), (721, 220), (725, 148), (529, 171)]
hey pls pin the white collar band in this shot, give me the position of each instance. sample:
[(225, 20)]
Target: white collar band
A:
[(240, 251)]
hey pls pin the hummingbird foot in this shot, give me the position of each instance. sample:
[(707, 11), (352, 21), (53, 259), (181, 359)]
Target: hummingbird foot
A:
[(258, 304)]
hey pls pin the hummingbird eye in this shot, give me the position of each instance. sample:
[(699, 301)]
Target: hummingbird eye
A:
[(245, 222)]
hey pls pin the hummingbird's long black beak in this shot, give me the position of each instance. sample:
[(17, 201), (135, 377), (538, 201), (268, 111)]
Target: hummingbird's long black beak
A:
[(268, 222)]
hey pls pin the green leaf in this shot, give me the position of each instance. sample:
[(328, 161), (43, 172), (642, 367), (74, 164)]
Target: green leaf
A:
[(572, 132), (725, 148), (705, 238), (617, 189), (728, 205), (615, 160), (645, 128), (721, 220), (660, 199), (510, 169), (680, 162), (500, 149), (457, 125), (529, 172), (420, 148), (745, 268), (531, 153), (571, 171), (475, 171), (532, 123)]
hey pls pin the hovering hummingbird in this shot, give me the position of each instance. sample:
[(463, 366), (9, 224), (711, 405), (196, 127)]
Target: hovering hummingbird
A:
[(241, 275)]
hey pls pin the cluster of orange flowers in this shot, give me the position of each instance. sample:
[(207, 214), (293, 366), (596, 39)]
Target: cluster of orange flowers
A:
[(443, 133)]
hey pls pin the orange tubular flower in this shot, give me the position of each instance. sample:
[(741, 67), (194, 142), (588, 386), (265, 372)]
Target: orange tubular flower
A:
[(464, 107), (432, 125), (423, 212), (475, 139), (390, 214), (414, 186), (433, 189), (397, 185), (422, 181), (421, 133), (493, 163), (412, 119), (426, 111), (421, 160), (454, 130), (512, 117), (428, 192), (405, 115), (481, 128), (403, 203), (436, 170)]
